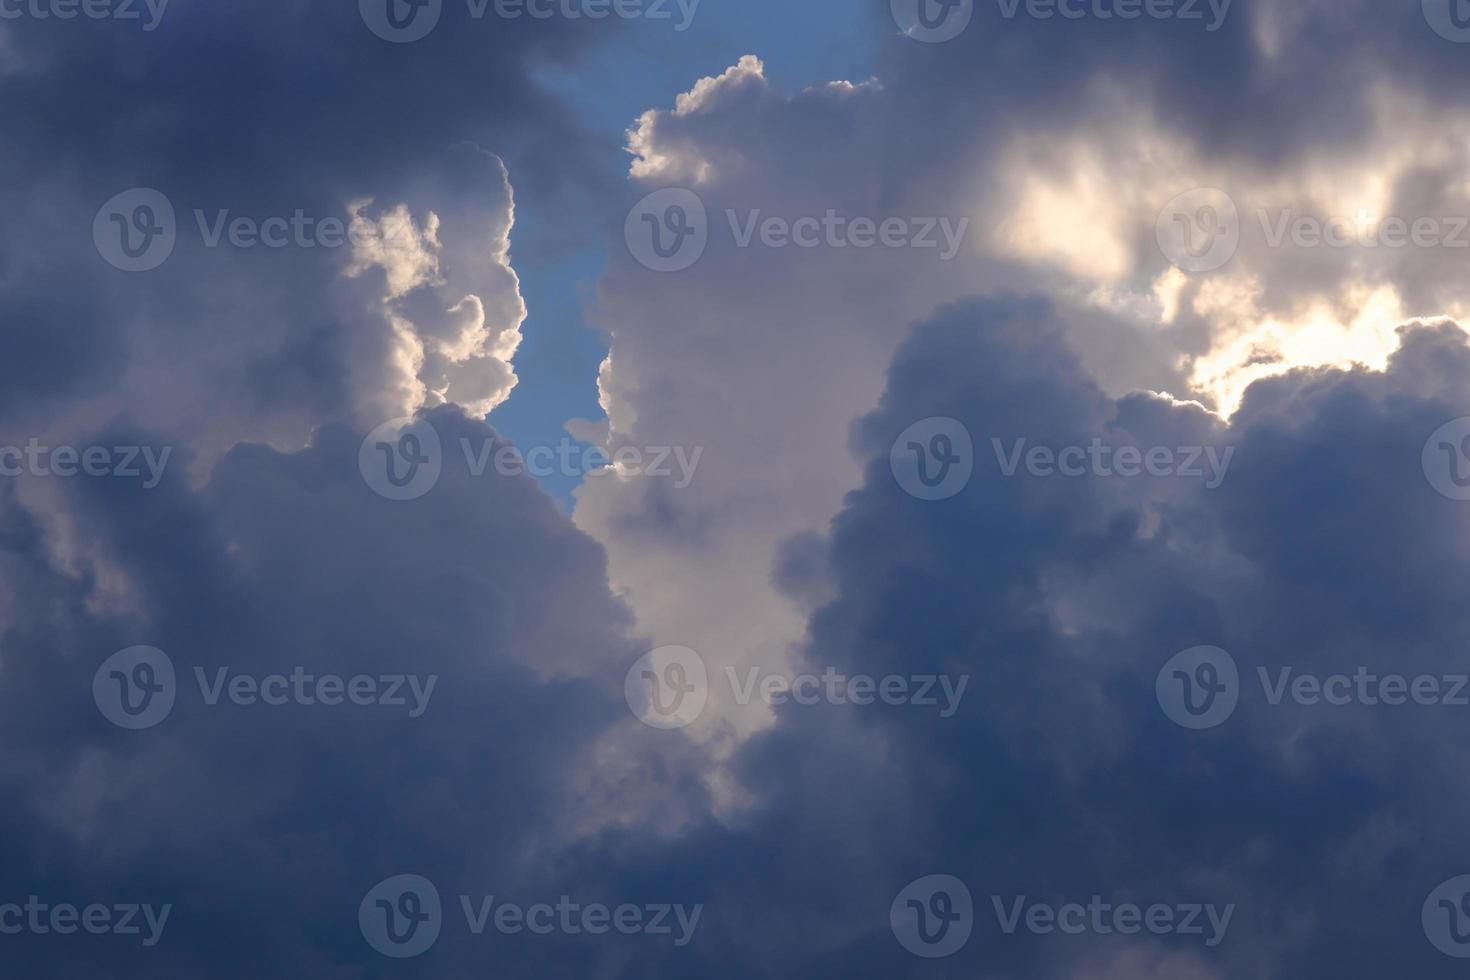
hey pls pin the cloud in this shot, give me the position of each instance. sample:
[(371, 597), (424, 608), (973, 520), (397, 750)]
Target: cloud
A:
[(228, 114), (1313, 375), (264, 826), (448, 293), (1062, 598), (764, 356)]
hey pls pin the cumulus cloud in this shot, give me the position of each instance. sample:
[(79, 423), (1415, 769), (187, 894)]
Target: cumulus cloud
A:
[(1313, 375), (1064, 597), (447, 292), (1064, 167), (264, 826), (212, 111)]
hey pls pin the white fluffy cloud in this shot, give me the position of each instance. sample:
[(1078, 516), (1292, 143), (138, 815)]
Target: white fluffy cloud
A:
[(447, 293), (760, 357)]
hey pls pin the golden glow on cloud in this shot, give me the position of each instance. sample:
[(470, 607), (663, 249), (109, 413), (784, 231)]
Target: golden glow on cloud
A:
[(1265, 346), (1076, 223), (1084, 206)]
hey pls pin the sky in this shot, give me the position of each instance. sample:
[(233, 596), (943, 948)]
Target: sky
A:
[(640, 488)]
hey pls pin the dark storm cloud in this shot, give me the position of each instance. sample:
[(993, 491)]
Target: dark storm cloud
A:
[(1271, 83), (262, 112), (1325, 548), (265, 826), (1281, 106)]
